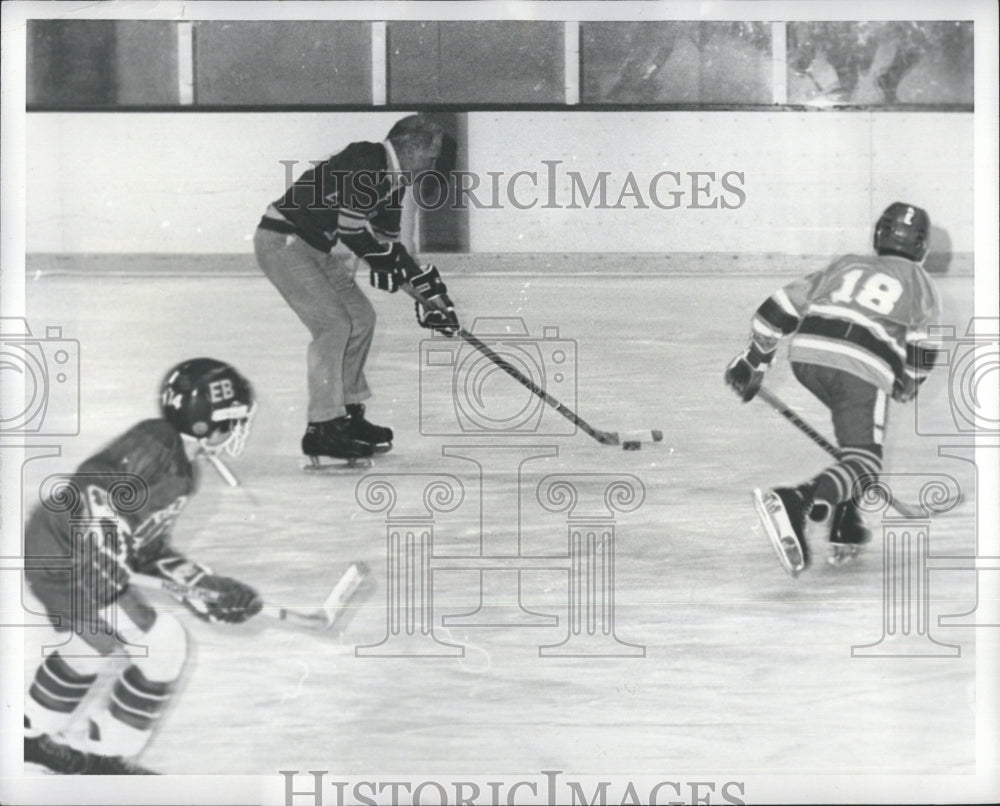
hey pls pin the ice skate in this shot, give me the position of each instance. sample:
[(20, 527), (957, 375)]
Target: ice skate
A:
[(378, 436), (54, 755), (782, 514), (818, 523), (113, 765), (849, 535), (332, 439)]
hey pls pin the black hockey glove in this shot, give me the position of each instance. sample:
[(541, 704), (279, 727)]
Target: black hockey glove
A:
[(211, 597), (99, 566), (904, 388), (442, 320), (745, 373), (235, 601), (439, 313), (389, 268)]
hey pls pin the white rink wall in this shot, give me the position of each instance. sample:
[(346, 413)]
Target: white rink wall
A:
[(784, 182)]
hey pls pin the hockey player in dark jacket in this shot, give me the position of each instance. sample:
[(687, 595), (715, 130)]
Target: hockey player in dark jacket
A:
[(308, 243)]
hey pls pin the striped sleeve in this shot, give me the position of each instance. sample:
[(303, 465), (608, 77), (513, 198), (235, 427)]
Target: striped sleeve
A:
[(781, 313), (386, 221), (921, 353)]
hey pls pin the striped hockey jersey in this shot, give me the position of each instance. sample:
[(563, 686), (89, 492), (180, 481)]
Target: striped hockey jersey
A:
[(148, 459), (865, 315), (354, 197)]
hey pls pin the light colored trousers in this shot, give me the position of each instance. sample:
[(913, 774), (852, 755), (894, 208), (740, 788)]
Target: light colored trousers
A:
[(320, 288)]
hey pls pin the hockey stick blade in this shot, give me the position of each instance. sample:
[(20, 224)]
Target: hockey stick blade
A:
[(331, 611), (603, 437), (344, 592)]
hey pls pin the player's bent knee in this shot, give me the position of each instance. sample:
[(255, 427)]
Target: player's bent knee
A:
[(167, 643)]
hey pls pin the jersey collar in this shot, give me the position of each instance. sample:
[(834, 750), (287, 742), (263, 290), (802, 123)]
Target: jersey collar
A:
[(395, 172)]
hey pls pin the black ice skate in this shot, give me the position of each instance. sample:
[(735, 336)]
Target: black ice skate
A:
[(56, 756), (849, 534), (782, 513), (378, 436), (333, 439), (113, 765)]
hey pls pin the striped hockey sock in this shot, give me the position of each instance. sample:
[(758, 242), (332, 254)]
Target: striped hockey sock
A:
[(54, 695), (123, 728), (838, 482)]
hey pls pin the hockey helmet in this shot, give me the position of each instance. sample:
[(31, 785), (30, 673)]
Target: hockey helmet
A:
[(903, 230), (210, 401)]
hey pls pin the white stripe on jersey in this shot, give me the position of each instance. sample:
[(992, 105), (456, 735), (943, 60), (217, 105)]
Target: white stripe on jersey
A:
[(782, 299), (881, 409), (840, 312), (844, 348), (765, 329)]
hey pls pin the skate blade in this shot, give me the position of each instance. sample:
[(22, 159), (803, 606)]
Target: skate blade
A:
[(842, 555), (779, 531), (324, 464)]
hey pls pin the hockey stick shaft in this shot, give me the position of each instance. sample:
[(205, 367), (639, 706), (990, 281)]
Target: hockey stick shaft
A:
[(319, 619), (604, 437), (776, 403)]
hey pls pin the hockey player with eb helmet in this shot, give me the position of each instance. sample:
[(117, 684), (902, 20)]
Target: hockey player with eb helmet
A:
[(855, 330), (112, 517)]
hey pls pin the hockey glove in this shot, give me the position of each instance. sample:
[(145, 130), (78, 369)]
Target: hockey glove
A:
[(235, 601), (389, 268), (439, 313), (745, 373), (99, 564), (905, 387), (213, 598)]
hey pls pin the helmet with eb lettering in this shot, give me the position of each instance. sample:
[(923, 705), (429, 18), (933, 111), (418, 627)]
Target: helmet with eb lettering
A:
[(210, 401), (903, 230)]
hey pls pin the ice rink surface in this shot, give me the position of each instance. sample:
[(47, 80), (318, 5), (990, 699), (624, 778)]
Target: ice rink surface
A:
[(744, 670)]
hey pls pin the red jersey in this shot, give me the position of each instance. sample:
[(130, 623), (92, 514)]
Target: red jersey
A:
[(142, 480), (862, 315)]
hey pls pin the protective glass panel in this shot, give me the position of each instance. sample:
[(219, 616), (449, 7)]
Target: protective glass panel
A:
[(876, 63), (676, 62)]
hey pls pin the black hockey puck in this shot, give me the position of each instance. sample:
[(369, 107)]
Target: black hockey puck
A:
[(631, 445)]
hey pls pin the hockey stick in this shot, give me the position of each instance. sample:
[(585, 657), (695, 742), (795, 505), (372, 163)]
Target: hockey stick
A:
[(628, 440), (776, 403), (323, 618)]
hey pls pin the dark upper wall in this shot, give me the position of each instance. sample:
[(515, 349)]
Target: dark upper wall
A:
[(98, 64)]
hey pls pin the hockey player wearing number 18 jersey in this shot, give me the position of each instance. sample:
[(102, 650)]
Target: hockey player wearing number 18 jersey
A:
[(113, 516), (855, 330)]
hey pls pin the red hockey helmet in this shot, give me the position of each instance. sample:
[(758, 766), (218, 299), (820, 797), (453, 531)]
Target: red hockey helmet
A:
[(903, 230), (208, 399)]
